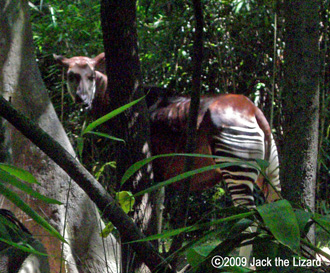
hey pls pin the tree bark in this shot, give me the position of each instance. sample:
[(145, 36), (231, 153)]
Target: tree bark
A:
[(118, 20), (300, 101), (21, 83), (124, 81)]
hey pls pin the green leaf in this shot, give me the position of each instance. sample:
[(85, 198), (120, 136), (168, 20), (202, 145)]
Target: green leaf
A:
[(323, 221), (110, 115), (107, 230), (106, 136), (80, 146), (112, 164), (186, 175), (4, 225), (197, 254), (234, 239), (25, 248), (281, 220), (195, 227), (19, 173), (126, 200), (8, 178), (303, 218), (136, 166), (263, 164), (14, 198), (218, 194)]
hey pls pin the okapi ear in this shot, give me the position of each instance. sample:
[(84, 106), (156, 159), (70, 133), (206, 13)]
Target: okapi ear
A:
[(100, 62), (61, 60)]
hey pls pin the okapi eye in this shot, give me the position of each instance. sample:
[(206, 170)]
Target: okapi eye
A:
[(91, 78), (73, 77)]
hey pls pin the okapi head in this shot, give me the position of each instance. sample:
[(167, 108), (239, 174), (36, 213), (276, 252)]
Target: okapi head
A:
[(82, 78), (87, 83)]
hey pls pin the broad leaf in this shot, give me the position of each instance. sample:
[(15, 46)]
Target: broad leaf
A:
[(126, 200), (197, 254), (303, 218), (323, 221), (281, 220)]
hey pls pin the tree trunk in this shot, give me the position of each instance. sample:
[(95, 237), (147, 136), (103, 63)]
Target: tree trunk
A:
[(118, 20), (77, 218), (124, 80), (300, 102)]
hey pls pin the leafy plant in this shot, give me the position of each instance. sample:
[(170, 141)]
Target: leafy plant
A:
[(13, 176), (126, 201), (281, 229), (102, 120), (124, 198), (239, 58), (13, 234)]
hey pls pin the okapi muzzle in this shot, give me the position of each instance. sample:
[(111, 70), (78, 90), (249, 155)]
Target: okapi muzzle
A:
[(81, 77)]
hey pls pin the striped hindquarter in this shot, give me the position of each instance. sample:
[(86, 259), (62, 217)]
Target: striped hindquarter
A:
[(246, 144), (236, 145), (230, 127)]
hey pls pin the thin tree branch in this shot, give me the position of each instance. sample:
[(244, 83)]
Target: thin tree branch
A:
[(110, 209)]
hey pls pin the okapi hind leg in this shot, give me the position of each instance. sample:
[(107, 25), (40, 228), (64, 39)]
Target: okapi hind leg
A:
[(237, 191), (241, 194), (235, 145)]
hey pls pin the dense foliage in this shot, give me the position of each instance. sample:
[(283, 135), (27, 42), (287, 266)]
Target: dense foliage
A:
[(243, 54)]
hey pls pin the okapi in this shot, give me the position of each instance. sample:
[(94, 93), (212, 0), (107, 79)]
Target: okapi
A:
[(229, 127)]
